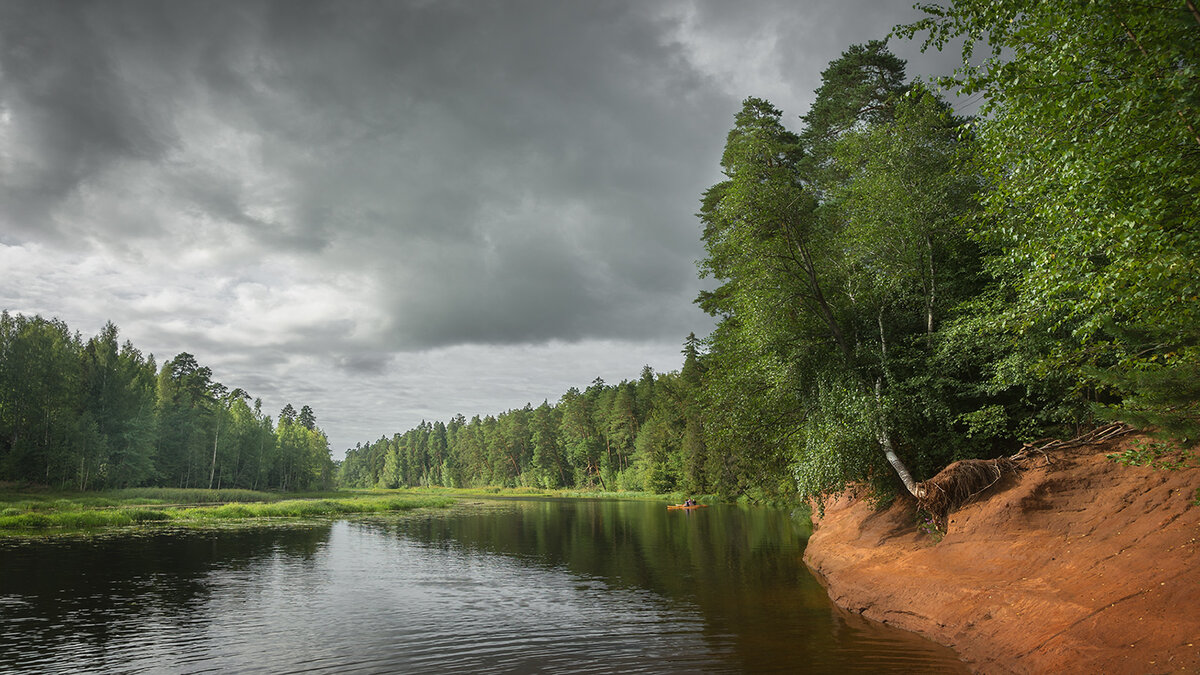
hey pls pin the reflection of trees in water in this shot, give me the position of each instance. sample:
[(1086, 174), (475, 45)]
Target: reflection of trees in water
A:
[(741, 568), (178, 599), (94, 591), (629, 544)]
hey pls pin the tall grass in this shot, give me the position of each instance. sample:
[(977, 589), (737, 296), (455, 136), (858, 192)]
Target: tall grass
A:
[(78, 520), (192, 495), (308, 508), (495, 491), (154, 505), (57, 500)]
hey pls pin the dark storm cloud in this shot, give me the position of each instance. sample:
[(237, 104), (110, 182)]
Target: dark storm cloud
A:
[(490, 162), (499, 174), (62, 97)]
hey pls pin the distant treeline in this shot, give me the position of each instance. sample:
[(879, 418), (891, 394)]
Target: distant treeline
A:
[(899, 287), (643, 435), (89, 414)]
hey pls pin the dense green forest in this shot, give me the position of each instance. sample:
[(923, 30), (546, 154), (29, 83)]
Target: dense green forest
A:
[(89, 414), (643, 435), (895, 287), (898, 287)]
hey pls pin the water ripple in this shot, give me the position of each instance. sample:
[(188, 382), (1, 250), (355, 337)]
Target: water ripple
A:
[(368, 598)]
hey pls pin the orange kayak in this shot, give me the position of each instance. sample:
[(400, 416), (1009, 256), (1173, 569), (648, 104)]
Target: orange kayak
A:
[(685, 507)]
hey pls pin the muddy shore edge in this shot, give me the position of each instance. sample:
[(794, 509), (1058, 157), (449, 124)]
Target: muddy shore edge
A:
[(1076, 564)]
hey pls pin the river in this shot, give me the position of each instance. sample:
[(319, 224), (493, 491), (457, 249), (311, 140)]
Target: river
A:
[(489, 586)]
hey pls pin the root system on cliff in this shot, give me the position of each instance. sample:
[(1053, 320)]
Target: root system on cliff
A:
[(963, 481)]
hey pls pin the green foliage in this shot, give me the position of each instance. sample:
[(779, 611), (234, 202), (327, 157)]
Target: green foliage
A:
[(1156, 455), (835, 435), (928, 526), (85, 512), (1092, 159), (76, 519), (42, 435), (857, 89), (185, 496), (633, 437), (95, 415), (987, 422), (841, 254), (1161, 392), (647, 435)]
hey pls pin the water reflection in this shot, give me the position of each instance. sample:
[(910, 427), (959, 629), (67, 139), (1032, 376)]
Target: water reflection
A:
[(79, 604), (739, 571), (502, 586)]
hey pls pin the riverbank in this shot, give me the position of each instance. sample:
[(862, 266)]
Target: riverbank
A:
[(1078, 564), (40, 513)]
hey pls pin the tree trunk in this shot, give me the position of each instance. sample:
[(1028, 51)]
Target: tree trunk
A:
[(901, 470), (929, 300), (818, 296), (213, 471), (596, 469), (562, 475), (885, 441), (882, 335)]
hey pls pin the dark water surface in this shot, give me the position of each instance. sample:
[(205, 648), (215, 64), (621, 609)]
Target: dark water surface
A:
[(518, 586)]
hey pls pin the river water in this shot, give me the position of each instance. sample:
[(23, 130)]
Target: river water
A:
[(495, 586)]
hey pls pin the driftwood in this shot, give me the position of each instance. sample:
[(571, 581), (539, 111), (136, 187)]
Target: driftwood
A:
[(958, 484)]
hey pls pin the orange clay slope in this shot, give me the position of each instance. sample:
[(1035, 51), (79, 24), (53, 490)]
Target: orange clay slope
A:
[(1075, 564)]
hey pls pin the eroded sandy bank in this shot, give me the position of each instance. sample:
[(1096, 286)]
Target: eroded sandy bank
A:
[(1078, 565)]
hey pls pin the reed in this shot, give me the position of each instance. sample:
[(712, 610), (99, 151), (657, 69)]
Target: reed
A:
[(496, 491), (308, 508), (156, 505), (78, 519), (192, 495)]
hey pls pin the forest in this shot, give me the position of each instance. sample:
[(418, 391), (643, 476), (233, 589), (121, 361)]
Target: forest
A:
[(895, 287), (645, 435), (92, 414)]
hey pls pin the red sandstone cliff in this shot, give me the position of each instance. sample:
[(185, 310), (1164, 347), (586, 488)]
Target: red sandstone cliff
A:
[(1079, 565)]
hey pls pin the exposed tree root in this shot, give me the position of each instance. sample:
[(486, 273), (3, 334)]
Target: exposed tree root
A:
[(963, 481)]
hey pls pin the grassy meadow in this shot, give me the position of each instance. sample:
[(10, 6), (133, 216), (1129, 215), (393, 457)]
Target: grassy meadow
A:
[(26, 512)]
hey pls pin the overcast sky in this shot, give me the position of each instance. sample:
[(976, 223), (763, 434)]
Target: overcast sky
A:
[(389, 211)]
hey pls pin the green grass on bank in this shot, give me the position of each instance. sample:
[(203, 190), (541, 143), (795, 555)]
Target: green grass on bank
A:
[(800, 511), (43, 500), (794, 505), (492, 491), (24, 513), (312, 508)]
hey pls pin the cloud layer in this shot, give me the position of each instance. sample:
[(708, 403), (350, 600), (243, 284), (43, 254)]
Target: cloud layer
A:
[(389, 211)]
